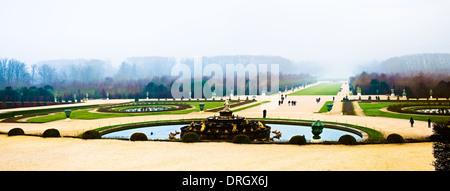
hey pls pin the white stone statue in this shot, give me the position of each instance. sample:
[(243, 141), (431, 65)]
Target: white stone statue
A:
[(227, 106)]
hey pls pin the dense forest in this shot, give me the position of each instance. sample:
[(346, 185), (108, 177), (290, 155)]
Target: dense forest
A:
[(417, 85), (67, 80), (416, 73)]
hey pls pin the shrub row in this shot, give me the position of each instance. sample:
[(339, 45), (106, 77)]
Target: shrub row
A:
[(47, 133), (193, 137)]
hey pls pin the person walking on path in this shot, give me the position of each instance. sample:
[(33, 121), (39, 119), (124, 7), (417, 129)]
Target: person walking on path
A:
[(411, 121), (429, 122), (264, 113)]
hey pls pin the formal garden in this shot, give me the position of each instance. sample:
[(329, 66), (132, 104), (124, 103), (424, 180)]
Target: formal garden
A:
[(406, 109), (121, 110)]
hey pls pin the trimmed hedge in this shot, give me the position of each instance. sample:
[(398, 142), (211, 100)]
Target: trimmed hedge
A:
[(395, 138), (51, 133), (16, 131), (91, 134), (347, 140), (441, 146), (241, 138), (190, 137), (138, 137), (298, 140)]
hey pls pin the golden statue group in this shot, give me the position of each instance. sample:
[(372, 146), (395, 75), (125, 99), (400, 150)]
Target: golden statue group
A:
[(226, 126)]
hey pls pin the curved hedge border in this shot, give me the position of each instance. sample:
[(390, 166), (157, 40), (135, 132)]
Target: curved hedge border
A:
[(110, 108), (399, 107)]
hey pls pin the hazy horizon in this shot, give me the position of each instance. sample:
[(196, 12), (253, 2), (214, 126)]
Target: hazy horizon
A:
[(336, 34)]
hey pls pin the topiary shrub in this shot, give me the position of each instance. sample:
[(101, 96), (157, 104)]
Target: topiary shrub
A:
[(347, 140), (190, 137), (138, 137), (51, 133), (91, 134), (395, 138), (298, 140), (16, 131), (241, 138)]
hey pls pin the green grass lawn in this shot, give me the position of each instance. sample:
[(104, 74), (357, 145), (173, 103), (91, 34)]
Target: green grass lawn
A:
[(320, 89), (324, 107), (250, 106), (86, 115), (208, 105), (373, 109)]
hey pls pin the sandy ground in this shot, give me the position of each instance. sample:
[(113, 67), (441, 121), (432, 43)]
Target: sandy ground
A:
[(35, 153)]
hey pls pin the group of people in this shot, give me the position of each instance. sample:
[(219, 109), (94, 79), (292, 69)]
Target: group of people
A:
[(411, 121), (290, 103)]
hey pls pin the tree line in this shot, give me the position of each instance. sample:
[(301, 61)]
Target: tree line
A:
[(43, 83), (416, 85)]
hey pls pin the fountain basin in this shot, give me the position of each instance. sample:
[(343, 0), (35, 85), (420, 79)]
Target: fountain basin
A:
[(161, 132)]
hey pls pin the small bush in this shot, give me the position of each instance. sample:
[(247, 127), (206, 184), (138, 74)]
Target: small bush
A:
[(91, 134), (51, 133), (241, 138), (298, 140), (190, 137), (395, 138), (347, 140), (16, 131), (138, 137)]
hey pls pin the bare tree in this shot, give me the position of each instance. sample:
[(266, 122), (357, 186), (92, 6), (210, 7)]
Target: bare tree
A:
[(33, 71), (47, 73), (3, 67)]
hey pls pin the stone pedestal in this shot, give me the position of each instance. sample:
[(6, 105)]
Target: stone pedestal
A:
[(316, 140)]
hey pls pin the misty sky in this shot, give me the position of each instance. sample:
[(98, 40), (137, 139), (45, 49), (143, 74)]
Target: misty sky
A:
[(331, 32)]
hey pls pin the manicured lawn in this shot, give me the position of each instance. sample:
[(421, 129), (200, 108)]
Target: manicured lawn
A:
[(375, 105), (324, 107), (86, 115), (320, 89), (373, 109), (250, 106), (208, 105)]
